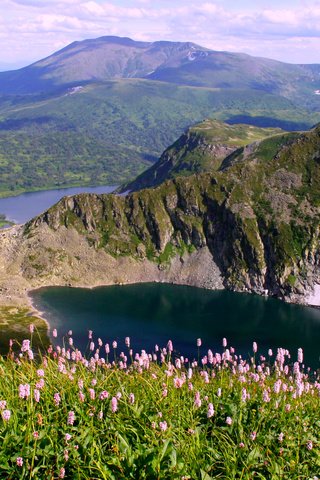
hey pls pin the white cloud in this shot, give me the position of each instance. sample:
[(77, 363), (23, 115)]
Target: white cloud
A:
[(33, 28)]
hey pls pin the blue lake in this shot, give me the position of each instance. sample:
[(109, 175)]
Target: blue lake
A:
[(153, 313), (23, 207)]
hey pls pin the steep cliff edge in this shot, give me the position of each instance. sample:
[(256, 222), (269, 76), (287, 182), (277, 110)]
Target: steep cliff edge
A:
[(251, 226), (202, 148)]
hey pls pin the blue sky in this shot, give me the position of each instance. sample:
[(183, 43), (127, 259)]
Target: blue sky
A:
[(284, 30)]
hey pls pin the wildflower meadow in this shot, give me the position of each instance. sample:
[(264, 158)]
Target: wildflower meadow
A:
[(111, 413)]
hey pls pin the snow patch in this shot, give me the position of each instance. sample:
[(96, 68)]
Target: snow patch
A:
[(314, 297)]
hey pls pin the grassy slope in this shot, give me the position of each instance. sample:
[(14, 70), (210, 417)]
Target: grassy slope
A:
[(109, 133), (101, 417), (202, 148)]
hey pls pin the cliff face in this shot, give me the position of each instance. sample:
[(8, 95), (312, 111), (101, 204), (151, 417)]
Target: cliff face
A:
[(202, 148), (253, 225)]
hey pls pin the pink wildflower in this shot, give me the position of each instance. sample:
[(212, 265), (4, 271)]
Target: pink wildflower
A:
[(62, 472), (254, 347), (56, 399), (25, 345), (210, 411), (31, 328), (127, 341), (199, 342), (71, 418), (54, 333), (24, 390), (309, 445), (3, 404), (19, 461), (36, 394), (67, 437), (163, 426), (114, 404), (243, 395), (35, 435), (178, 382), (253, 436), (6, 414), (229, 421), (224, 342), (197, 400), (103, 395), (114, 344), (131, 398)]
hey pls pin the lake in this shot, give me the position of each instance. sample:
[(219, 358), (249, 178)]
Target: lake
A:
[(153, 313), (23, 207)]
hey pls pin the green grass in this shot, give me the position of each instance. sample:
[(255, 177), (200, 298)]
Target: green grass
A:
[(15, 323), (134, 416)]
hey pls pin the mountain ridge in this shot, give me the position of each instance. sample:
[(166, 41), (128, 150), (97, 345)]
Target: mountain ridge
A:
[(100, 111), (253, 226)]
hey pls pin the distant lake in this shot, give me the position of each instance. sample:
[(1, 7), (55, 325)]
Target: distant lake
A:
[(23, 207), (153, 313)]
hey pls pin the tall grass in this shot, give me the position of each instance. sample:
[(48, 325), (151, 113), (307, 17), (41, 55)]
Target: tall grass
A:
[(116, 414)]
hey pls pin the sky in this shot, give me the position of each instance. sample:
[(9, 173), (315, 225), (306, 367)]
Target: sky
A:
[(286, 30)]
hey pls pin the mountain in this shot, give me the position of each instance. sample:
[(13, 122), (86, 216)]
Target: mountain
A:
[(182, 63), (101, 111), (251, 226), (202, 148)]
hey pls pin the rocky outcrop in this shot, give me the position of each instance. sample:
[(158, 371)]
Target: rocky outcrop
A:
[(204, 147), (252, 226)]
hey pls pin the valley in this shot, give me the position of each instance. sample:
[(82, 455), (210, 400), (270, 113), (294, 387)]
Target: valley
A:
[(93, 114)]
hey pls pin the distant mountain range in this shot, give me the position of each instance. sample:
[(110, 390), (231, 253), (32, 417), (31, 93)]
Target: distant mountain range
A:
[(181, 63), (101, 111)]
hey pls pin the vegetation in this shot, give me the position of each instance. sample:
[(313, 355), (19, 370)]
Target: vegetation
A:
[(110, 132), (15, 323), (111, 415), (258, 215), (203, 148)]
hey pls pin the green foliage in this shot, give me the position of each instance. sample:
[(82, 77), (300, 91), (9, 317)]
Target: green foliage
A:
[(108, 133), (88, 417), (15, 323)]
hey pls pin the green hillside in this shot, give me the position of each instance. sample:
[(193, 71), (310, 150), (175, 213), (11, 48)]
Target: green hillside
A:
[(202, 148), (108, 133), (258, 216), (103, 110)]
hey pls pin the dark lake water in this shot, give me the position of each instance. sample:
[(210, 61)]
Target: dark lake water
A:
[(23, 207), (154, 313)]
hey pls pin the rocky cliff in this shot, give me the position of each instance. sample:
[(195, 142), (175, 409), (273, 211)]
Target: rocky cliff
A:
[(202, 148), (251, 226)]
